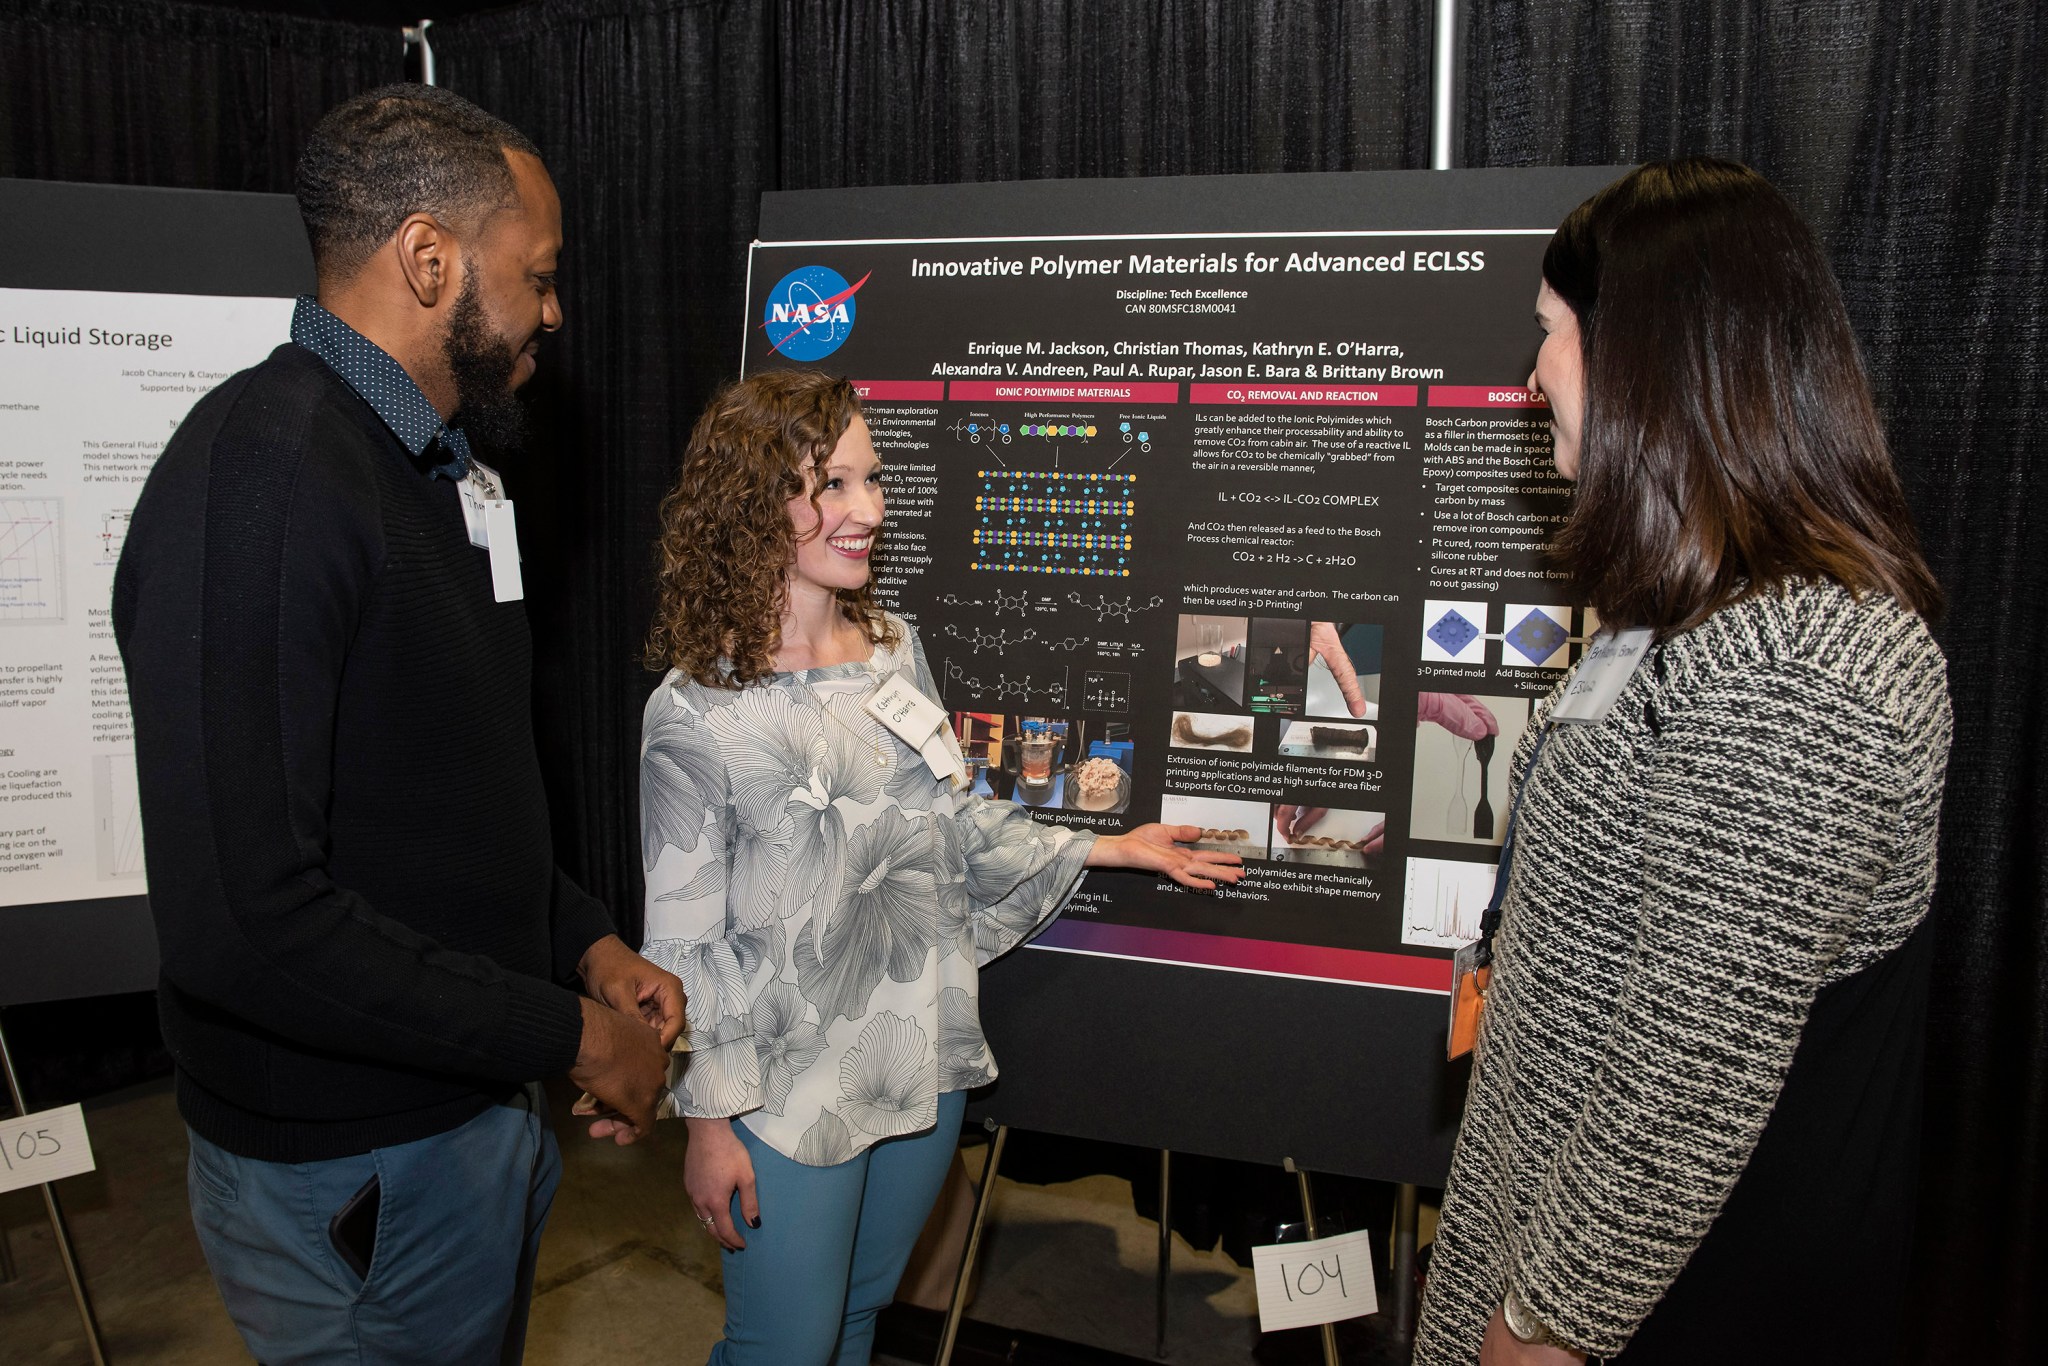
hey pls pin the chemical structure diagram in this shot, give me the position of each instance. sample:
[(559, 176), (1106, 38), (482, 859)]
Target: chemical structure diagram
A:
[(1141, 439), (978, 639), (1122, 609), (998, 601), (1106, 691), (1025, 688)]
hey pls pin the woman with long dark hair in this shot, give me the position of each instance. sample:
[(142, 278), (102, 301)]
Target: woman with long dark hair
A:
[(815, 877), (1691, 1127)]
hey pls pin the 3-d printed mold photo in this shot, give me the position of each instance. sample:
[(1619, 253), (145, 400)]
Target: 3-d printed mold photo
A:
[(1454, 632)]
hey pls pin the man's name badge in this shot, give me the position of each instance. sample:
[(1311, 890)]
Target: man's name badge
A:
[(1468, 1000), (919, 722), (480, 487), (487, 513), (501, 532), (1610, 662)]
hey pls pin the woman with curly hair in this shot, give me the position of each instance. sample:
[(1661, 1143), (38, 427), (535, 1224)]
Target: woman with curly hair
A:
[(825, 893), (1691, 1126)]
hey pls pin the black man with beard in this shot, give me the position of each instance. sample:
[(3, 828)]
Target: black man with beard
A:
[(369, 955)]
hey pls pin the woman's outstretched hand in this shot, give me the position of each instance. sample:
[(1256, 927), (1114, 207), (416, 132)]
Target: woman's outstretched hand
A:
[(1163, 849)]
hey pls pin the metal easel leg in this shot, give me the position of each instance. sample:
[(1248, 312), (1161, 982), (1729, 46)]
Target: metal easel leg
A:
[(957, 1310), (1407, 1218), (1165, 1242), (1308, 1215), (58, 1230)]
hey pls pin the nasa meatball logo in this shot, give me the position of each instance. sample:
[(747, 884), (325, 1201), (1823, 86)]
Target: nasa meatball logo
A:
[(810, 312)]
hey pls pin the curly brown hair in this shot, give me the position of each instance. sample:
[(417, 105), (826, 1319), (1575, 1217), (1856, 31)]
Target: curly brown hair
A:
[(726, 541)]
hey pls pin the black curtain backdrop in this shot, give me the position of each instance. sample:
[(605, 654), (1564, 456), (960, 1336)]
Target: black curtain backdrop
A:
[(914, 92), (172, 94), (1911, 132), (656, 120)]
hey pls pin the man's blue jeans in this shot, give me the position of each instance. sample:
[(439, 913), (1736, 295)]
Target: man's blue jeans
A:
[(451, 1277)]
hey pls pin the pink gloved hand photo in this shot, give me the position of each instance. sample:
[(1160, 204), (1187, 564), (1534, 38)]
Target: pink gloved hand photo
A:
[(1461, 714)]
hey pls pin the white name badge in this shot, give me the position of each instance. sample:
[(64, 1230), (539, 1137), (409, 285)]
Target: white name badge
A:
[(479, 488), (1610, 662), (501, 537), (919, 722)]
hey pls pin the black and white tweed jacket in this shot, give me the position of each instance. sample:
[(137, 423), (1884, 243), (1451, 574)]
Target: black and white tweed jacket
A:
[(1755, 820)]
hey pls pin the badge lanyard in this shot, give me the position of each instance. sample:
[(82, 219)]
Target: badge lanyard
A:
[(1610, 663), (1472, 964)]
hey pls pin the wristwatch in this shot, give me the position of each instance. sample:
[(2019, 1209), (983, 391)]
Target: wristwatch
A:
[(1524, 1326)]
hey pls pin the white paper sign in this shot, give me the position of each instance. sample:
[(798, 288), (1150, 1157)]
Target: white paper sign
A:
[(91, 386), (1319, 1282), (45, 1146)]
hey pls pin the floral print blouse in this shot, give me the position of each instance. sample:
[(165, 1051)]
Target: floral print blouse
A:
[(827, 900)]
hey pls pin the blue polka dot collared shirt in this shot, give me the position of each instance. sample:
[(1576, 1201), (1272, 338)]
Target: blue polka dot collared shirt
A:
[(383, 383)]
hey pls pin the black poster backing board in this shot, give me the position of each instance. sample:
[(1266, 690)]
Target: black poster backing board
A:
[(1339, 1077), (130, 240)]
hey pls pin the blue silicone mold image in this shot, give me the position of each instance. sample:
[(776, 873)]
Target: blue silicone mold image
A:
[(1537, 636), (1452, 632)]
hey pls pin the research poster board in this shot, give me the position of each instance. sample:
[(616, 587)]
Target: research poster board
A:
[(1217, 501), (119, 309)]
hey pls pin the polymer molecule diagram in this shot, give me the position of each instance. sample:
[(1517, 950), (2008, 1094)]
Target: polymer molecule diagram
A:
[(1054, 522), (981, 432)]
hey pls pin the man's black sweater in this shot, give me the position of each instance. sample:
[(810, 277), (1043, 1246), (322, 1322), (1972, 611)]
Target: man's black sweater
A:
[(365, 939)]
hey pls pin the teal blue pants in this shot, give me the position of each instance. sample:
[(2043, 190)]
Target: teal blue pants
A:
[(832, 1245)]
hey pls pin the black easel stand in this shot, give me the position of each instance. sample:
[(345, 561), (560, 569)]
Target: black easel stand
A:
[(1400, 1295)]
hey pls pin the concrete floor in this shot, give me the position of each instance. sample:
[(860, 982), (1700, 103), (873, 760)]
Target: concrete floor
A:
[(625, 1275)]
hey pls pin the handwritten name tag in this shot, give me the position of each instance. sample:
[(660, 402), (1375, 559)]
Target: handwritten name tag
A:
[(1319, 1282), (45, 1146), (919, 722), (1609, 664)]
